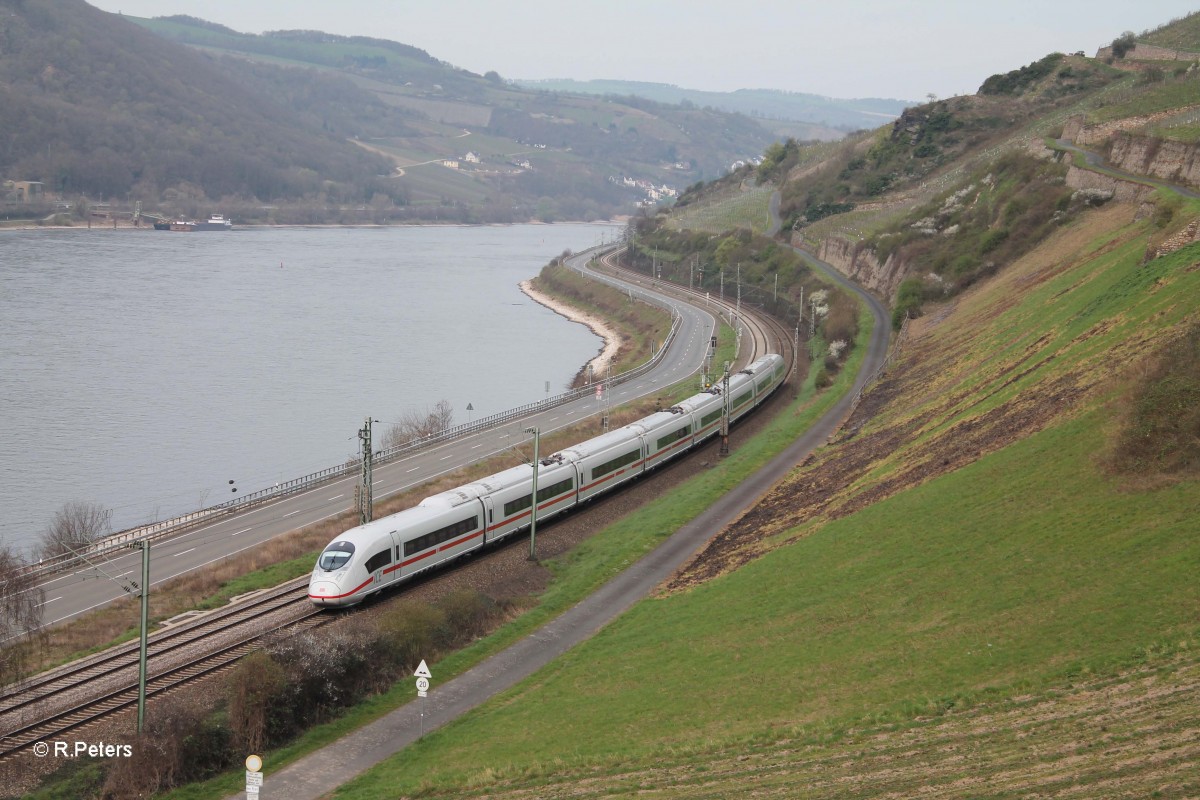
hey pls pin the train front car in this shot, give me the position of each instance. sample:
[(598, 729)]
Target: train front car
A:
[(339, 577)]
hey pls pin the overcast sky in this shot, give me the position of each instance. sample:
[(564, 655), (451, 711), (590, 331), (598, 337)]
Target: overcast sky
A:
[(841, 48)]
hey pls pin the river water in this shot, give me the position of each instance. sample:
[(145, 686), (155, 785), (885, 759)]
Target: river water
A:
[(144, 370)]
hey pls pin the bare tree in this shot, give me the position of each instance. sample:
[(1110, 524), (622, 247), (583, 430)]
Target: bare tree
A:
[(20, 610), (414, 425), (74, 526)]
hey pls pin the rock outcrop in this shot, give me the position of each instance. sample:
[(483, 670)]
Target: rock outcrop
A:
[(860, 264), (1122, 191), (1175, 162)]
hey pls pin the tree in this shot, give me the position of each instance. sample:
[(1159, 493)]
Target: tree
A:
[(1123, 44), (74, 527), (20, 610), (414, 425)]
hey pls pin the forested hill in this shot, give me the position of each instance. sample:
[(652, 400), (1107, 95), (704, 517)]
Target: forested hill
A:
[(191, 117), (98, 106)]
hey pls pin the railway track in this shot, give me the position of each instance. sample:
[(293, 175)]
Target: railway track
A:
[(766, 334), (86, 691)]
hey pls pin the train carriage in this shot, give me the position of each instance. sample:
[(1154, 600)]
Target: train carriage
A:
[(666, 435), (508, 496), (606, 461), (365, 559)]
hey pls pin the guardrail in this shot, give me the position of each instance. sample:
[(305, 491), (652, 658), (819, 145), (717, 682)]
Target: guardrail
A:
[(351, 468)]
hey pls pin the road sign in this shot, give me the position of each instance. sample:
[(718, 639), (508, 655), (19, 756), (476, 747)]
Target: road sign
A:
[(253, 763), (422, 686), (252, 791), (423, 671), (254, 778)]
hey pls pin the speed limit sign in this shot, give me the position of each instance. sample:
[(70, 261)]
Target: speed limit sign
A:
[(422, 686)]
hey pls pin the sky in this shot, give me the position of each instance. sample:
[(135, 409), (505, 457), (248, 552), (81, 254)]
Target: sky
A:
[(904, 49)]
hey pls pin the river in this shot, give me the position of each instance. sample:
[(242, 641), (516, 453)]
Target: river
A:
[(145, 370)]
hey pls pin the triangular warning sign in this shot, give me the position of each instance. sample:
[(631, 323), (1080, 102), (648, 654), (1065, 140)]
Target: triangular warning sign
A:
[(422, 671)]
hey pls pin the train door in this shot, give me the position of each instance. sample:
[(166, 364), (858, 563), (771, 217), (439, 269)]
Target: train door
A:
[(489, 520)]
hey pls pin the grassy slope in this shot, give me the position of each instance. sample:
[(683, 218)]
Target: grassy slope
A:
[(910, 588)]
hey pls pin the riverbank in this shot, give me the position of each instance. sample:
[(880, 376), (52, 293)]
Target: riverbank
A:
[(601, 327)]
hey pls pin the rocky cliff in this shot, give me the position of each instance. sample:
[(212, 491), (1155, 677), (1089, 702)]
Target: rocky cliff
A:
[(861, 265), (1176, 162)]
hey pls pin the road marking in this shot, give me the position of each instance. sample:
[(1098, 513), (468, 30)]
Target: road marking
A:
[(477, 446), (243, 530), (443, 458), (185, 552), (52, 599), (505, 436), (340, 496), (293, 513), (414, 469)]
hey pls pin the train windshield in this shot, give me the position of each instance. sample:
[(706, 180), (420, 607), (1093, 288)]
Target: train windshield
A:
[(336, 556)]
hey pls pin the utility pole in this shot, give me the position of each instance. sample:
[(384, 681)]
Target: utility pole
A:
[(366, 505), (144, 588), (725, 412), (537, 440)]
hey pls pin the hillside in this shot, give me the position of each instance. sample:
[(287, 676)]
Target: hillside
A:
[(474, 147), (188, 117), (97, 107), (984, 586)]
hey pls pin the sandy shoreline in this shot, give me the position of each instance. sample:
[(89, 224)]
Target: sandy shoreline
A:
[(612, 340)]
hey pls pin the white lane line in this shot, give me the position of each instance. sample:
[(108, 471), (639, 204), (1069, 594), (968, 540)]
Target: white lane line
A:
[(293, 513), (243, 530), (185, 552), (52, 599), (443, 458), (505, 435), (476, 446), (340, 496)]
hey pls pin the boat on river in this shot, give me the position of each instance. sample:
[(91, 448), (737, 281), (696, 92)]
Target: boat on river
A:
[(217, 222)]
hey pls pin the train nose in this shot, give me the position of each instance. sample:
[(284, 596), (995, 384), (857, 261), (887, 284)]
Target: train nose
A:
[(323, 593)]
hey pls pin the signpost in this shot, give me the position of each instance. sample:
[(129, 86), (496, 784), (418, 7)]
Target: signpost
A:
[(423, 677), (254, 776)]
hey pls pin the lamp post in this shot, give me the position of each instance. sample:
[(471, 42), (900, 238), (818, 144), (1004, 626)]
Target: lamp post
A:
[(537, 440)]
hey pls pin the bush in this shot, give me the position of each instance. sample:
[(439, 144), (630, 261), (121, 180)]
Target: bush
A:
[(909, 298), (411, 631)]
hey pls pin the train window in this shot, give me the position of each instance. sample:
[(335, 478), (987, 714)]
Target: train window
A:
[(336, 556), (672, 438), (380, 559), (743, 399), (434, 538), (520, 504), (710, 417), (555, 489), (616, 463)]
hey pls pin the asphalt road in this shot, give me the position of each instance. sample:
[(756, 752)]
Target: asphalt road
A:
[(72, 593), (317, 774)]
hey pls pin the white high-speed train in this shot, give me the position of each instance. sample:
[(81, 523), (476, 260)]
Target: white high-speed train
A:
[(368, 558)]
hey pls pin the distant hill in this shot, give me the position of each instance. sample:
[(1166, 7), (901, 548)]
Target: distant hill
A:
[(475, 148), (96, 106), (830, 117)]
